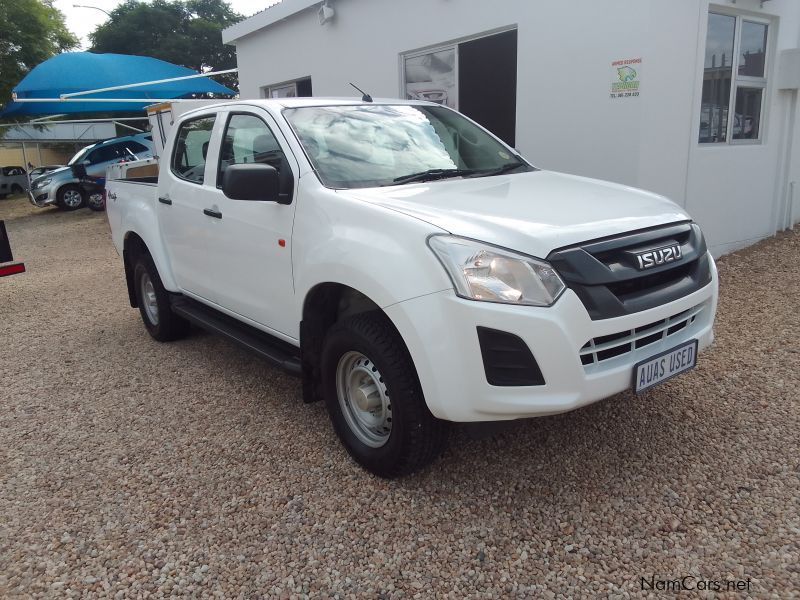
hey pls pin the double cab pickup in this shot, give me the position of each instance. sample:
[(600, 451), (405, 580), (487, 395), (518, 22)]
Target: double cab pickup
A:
[(409, 266)]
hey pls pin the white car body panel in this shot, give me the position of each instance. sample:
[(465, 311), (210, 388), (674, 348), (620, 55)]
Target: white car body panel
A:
[(517, 211), (374, 241)]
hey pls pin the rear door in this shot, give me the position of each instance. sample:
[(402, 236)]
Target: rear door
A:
[(185, 189), (250, 249)]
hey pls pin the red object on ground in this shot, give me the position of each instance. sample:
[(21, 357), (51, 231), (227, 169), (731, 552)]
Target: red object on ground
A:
[(12, 269), (7, 266)]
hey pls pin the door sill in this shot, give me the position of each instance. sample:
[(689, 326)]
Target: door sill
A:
[(272, 349)]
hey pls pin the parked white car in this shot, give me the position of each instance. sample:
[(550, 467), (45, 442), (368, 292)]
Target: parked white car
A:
[(410, 267)]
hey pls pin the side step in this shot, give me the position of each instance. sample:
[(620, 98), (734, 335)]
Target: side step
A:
[(274, 350)]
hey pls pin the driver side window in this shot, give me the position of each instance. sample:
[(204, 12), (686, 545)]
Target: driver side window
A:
[(248, 140)]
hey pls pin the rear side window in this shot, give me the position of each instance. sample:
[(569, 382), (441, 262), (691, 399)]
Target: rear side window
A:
[(191, 147), (136, 147)]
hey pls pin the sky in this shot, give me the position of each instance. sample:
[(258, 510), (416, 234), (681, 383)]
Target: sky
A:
[(82, 21)]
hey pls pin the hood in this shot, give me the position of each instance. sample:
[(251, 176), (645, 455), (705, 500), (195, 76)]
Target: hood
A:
[(533, 212), (53, 173)]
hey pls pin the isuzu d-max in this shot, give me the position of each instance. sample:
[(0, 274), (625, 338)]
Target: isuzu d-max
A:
[(412, 268)]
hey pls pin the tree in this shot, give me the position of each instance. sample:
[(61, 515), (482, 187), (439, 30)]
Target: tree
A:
[(183, 32), (32, 31)]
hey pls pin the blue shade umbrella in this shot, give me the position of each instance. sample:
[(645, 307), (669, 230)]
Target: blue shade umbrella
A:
[(82, 71)]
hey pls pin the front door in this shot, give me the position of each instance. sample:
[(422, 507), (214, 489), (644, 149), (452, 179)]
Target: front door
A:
[(250, 251)]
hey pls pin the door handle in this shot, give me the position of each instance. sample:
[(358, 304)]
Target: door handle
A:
[(212, 213), (164, 200)]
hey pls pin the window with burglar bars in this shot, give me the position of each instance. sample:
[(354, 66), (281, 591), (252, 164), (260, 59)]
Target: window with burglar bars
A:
[(735, 75)]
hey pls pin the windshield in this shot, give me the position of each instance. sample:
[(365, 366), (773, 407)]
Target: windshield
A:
[(365, 146), (80, 155)]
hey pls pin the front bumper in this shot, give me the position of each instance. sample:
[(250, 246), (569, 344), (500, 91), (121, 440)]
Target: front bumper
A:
[(440, 331), (42, 197)]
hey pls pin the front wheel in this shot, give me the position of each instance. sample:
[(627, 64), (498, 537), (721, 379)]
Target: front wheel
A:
[(70, 197), (375, 400)]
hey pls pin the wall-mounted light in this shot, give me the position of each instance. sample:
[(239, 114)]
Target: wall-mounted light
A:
[(326, 13)]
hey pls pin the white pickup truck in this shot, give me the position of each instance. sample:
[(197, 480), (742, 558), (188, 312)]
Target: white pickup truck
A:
[(412, 268)]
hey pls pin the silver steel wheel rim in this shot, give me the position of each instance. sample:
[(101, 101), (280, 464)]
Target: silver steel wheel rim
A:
[(364, 399), (149, 301), (72, 198), (96, 200)]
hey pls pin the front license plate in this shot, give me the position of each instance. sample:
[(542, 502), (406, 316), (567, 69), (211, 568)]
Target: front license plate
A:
[(664, 366)]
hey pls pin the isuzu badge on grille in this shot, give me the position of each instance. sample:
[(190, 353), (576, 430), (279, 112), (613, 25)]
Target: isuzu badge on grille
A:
[(652, 258)]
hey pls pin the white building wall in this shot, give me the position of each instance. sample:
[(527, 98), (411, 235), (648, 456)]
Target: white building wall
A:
[(565, 118)]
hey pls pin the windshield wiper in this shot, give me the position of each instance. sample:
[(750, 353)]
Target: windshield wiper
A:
[(433, 174), (500, 170)]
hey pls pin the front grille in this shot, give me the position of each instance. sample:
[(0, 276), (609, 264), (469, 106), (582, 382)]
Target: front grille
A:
[(606, 276), (610, 346)]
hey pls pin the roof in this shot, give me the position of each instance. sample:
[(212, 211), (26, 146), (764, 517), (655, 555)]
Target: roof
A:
[(279, 103), (278, 11)]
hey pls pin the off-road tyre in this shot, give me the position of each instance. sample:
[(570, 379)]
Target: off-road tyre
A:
[(166, 326), (416, 437)]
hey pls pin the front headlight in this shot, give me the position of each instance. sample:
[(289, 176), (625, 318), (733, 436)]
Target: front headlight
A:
[(480, 271), (40, 183)]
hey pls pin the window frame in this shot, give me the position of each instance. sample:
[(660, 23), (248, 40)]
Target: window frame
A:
[(404, 56), (175, 145), (266, 90), (743, 81), (230, 115)]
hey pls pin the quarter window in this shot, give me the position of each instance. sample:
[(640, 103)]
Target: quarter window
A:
[(191, 147), (734, 79), (136, 148)]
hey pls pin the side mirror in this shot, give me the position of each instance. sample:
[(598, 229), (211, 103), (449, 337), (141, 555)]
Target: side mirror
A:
[(251, 181)]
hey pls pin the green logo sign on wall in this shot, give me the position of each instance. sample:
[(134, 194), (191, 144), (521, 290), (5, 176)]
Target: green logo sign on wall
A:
[(626, 78)]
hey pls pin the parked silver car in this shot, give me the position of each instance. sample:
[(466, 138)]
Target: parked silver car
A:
[(13, 180), (63, 187)]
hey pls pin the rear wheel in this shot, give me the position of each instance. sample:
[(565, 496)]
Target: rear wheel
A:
[(70, 197), (375, 400), (154, 305)]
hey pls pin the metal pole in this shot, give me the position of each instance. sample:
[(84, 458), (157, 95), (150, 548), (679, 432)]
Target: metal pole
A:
[(136, 129), (112, 100), (26, 167), (46, 123), (155, 81)]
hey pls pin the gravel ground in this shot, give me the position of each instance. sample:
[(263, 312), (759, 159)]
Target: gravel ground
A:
[(130, 468)]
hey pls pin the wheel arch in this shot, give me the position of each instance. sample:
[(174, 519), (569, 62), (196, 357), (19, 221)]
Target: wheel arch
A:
[(324, 305), (135, 243), (133, 246)]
